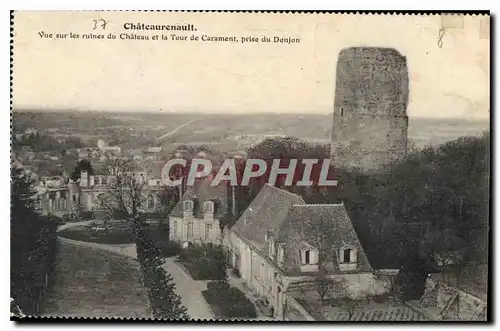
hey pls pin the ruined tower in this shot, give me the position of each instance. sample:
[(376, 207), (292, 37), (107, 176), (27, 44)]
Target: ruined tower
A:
[(370, 125)]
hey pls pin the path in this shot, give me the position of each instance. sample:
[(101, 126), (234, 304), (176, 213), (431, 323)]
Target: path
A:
[(174, 131), (189, 290)]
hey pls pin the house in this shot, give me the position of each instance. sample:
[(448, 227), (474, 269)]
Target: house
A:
[(197, 216), (280, 244)]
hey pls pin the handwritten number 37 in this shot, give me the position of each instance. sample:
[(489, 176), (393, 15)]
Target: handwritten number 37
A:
[(100, 23)]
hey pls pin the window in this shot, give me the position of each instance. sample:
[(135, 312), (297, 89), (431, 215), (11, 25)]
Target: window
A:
[(188, 205), (208, 207), (190, 230), (309, 256), (208, 229), (281, 253), (74, 197), (271, 248), (151, 202), (103, 180), (347, 255), (175, 228), (341, 111)]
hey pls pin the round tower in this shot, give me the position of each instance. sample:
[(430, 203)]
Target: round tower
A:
[(370, 125)]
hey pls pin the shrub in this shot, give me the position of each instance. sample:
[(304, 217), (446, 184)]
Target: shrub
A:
[(169, 248), (217, 285), (165, 303), (228, 301), (86, 215), (205, 261)]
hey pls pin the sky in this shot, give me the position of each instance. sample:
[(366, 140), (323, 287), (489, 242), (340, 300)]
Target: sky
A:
[(159, 75)]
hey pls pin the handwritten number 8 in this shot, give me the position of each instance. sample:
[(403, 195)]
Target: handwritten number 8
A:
[(441, 35)]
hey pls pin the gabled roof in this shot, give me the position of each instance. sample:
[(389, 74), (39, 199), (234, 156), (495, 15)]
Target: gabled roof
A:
[(326, 227), (266, 212), (202, 191)]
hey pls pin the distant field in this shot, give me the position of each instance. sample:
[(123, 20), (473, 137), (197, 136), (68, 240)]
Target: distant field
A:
[(221, 129)]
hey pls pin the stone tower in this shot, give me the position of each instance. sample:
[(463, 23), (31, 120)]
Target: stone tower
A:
[(370, 125)]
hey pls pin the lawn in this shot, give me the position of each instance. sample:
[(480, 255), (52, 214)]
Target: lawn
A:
[(113, 236), (92, 282), (118, 233)]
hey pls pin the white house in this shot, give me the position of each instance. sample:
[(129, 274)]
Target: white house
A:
[(196, 217)]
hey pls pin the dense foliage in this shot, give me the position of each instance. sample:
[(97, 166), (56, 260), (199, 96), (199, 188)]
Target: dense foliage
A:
[(82, 165), (165, 303), (40, 142), (228, 302), (433, 203), (33, 246), (205, 261)]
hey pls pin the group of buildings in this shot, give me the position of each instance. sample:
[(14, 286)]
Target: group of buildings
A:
[(280, 244)]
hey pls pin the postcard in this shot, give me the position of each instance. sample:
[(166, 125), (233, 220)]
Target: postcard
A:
[(257, 166)]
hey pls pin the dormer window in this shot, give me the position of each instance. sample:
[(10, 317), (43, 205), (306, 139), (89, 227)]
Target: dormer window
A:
[(309, 257), (309, 260), (348, 255), (208, 207), (348, 258), (188, 206)]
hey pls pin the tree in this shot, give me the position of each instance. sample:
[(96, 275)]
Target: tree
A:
[(82, 165), (33, 246), (323, 286), (125, 197), (166, 304)]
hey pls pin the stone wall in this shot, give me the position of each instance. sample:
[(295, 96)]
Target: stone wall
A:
[(355, 286)]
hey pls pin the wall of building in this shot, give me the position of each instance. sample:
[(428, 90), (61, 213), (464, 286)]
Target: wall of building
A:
[(355, 286), (179, 230)]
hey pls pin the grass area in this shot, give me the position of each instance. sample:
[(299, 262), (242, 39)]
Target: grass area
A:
[(91, 282), (228, 302), (113, 236), (119, 232)]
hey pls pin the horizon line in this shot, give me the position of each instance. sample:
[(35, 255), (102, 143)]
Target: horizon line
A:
[(194, 112)]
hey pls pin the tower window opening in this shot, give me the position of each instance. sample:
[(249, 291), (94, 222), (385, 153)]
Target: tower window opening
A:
[(341, 111)]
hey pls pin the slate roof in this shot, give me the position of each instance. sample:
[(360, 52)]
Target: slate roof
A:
[(298, 225), (200, 192), (327, 226), (266, 212), (389, 314)]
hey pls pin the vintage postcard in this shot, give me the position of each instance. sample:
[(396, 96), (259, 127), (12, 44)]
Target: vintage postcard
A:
[(255, 166)]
